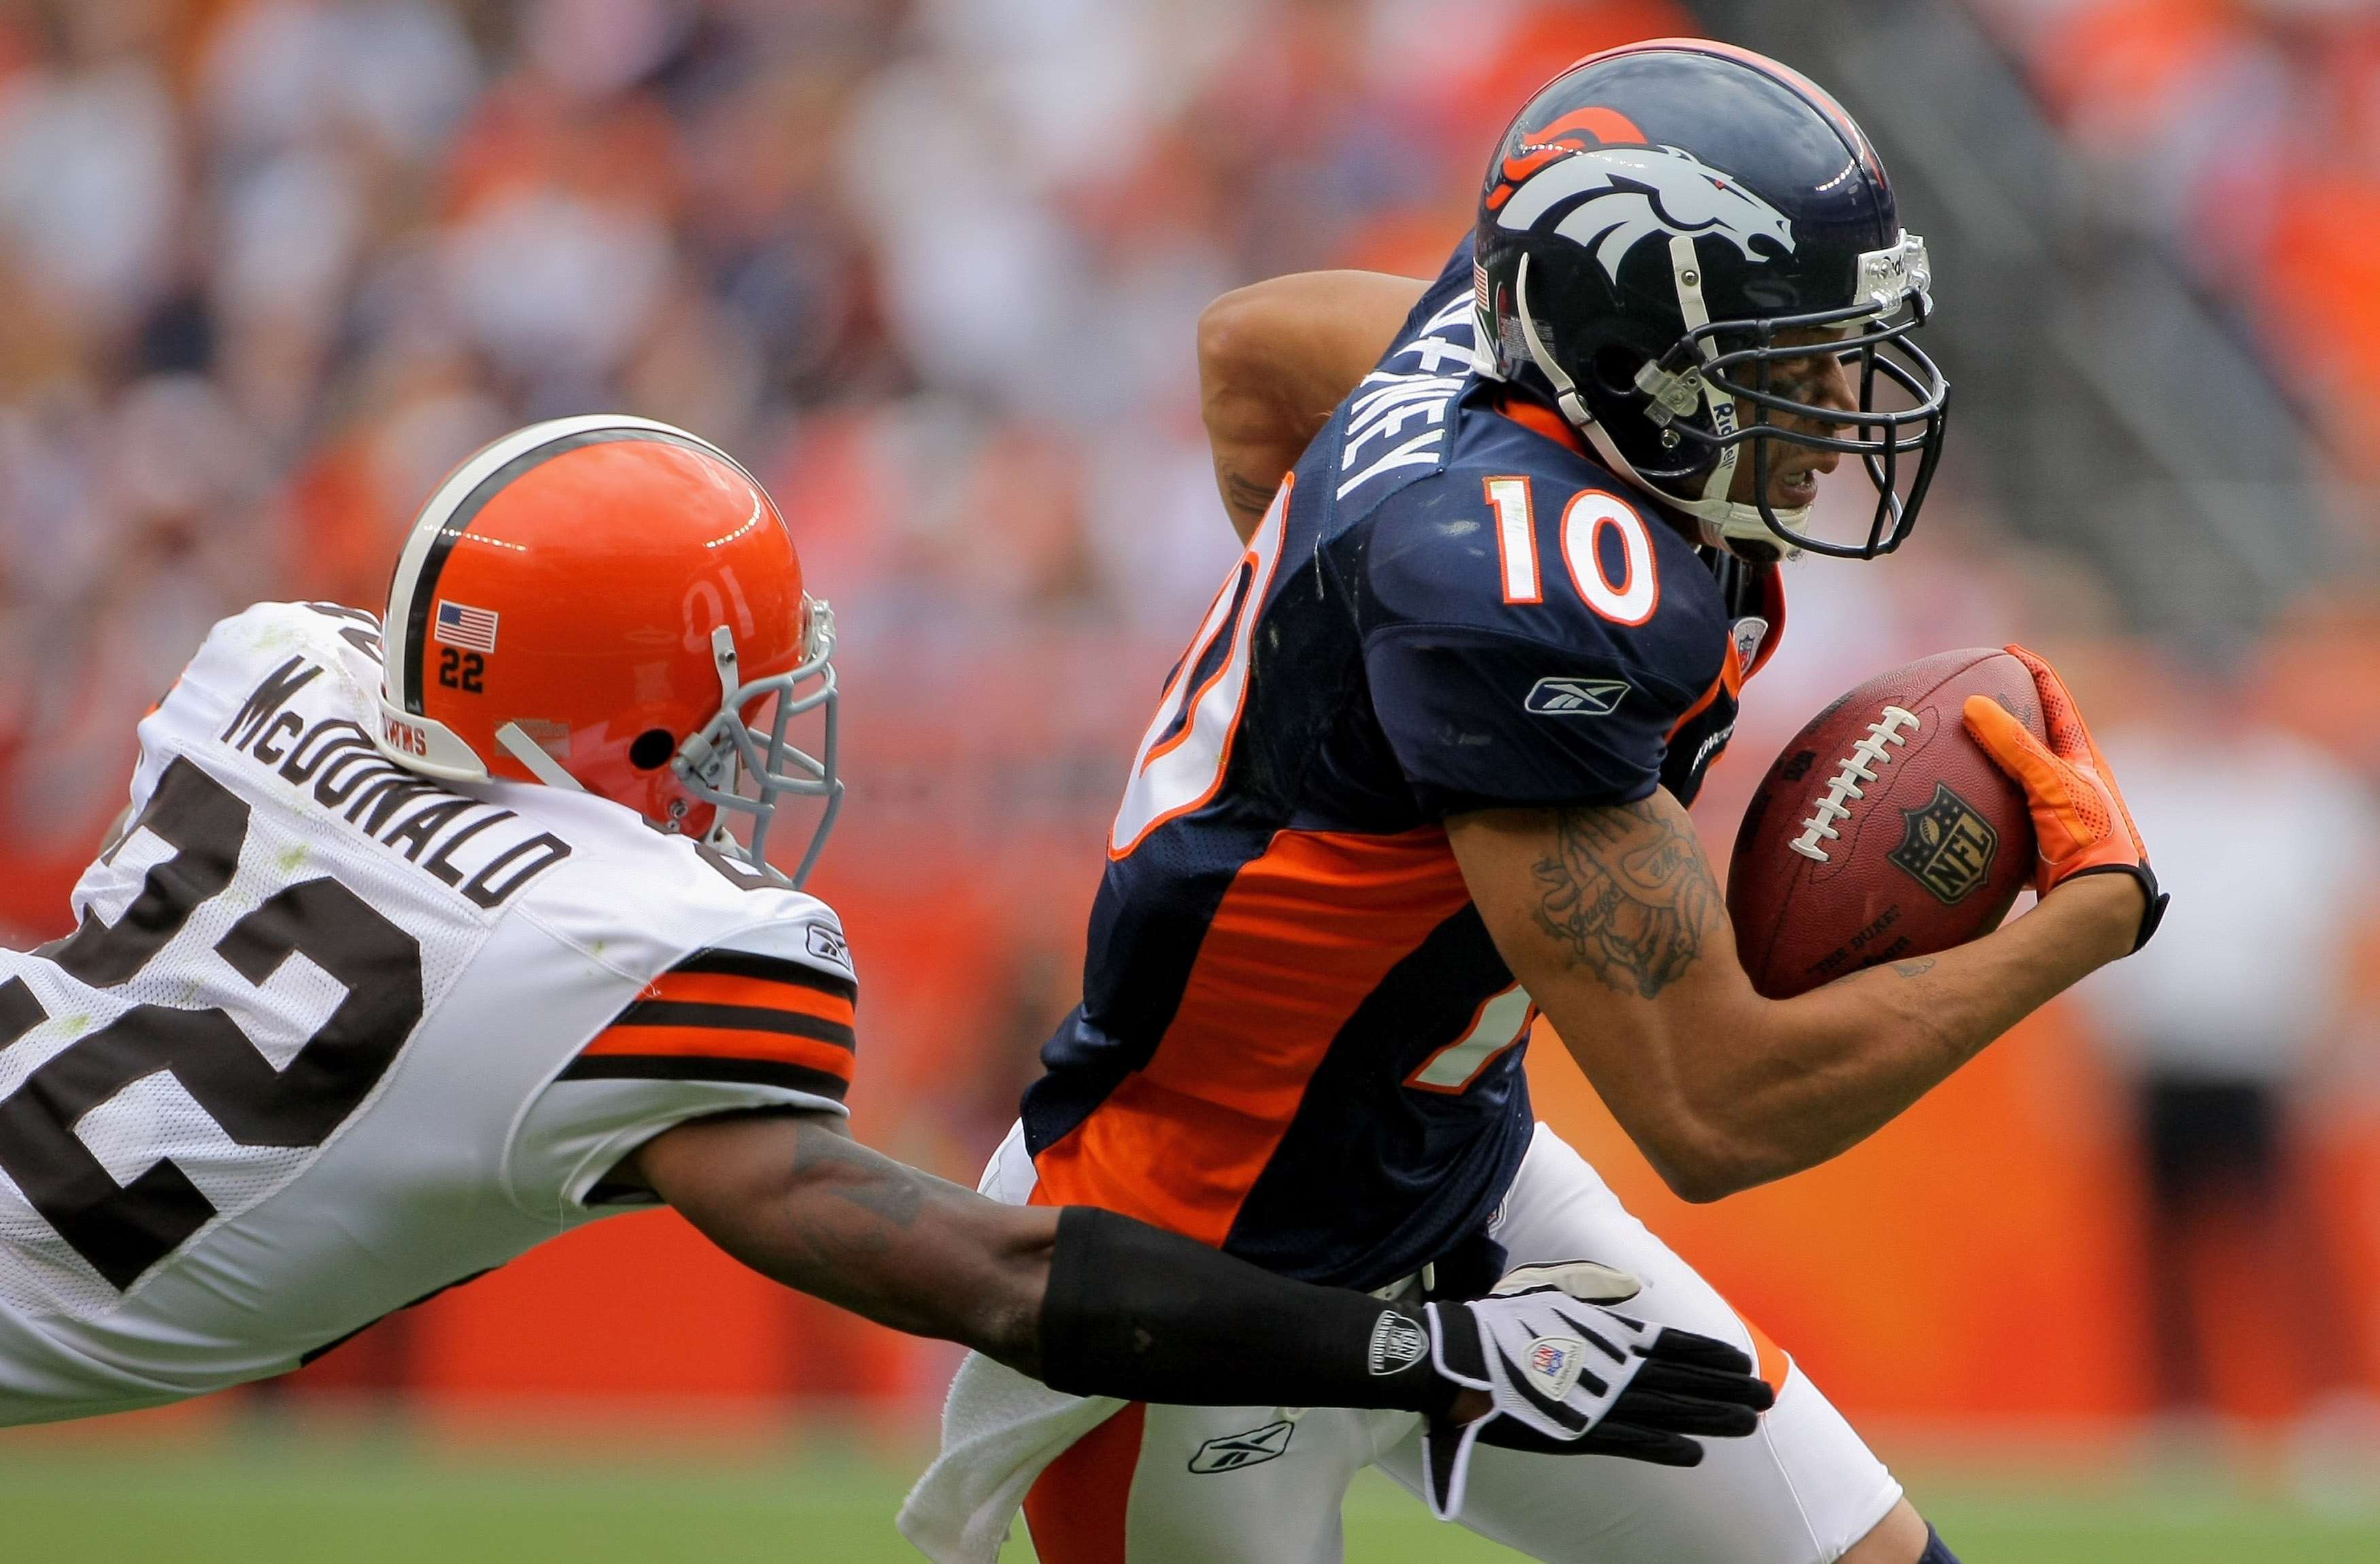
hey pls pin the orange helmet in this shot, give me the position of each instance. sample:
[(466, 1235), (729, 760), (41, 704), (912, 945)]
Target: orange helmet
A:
[(607, 604)]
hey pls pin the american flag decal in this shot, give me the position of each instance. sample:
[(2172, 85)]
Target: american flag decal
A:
[(473, 629)]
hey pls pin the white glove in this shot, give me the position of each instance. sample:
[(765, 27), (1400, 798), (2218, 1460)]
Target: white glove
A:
[(1559, 1373)]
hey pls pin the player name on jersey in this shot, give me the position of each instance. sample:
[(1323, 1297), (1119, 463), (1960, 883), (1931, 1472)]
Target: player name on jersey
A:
[(1389, 400), (483, 849)]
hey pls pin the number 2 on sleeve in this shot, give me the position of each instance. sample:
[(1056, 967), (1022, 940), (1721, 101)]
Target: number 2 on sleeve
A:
[(1182, 758)]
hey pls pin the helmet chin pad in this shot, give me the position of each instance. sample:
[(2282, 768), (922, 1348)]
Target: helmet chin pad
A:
[(1744, 531)]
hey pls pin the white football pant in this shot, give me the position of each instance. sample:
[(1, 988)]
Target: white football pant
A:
[(1166, 1485)]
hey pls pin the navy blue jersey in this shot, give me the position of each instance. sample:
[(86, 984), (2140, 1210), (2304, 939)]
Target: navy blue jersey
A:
[(1297, 1041)]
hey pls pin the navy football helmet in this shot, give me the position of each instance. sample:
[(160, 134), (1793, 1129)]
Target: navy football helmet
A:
[(1656, 219)]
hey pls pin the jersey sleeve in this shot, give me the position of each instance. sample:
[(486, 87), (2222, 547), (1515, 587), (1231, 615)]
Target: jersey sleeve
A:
[(1493, 678), (1479, 719), (761, 1018)]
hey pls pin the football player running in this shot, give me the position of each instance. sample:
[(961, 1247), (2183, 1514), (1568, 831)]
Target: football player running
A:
[(1423, 775), (422, 943)]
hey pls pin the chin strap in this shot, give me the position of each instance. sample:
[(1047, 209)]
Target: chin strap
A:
[(1721, 520), (1688, 278), (533, 755), (1566, 394)]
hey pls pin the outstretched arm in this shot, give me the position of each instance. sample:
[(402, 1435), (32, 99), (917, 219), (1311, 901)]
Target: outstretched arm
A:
[(1275, 358), (1096, 1303), (795, 1198), (1611, 918)]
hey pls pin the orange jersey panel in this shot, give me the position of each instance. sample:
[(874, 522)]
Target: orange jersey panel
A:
[(1303, 935)]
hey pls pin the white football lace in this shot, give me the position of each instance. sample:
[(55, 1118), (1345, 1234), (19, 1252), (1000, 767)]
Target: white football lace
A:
[(1858, 767)]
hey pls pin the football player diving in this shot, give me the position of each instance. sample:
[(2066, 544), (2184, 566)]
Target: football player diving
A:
[(1513, 539), (425, 939)]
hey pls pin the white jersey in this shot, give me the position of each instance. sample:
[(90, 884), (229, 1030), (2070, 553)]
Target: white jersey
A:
[(332, 1037)]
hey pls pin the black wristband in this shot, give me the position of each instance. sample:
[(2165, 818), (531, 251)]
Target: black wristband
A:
[(2153, 913), (1136, 1311)]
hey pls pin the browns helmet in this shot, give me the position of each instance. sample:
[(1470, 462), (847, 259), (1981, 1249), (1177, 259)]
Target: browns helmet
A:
[(609, 604), (1654, 220)]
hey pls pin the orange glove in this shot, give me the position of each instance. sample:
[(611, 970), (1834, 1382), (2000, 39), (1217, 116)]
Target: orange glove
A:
[(2077, 816)]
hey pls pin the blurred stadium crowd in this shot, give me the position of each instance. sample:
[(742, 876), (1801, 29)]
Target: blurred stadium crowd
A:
[(267, 268), (2247, 134)]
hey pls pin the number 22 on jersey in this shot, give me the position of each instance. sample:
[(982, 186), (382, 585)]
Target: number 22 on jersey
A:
[(123, 1229), (1183, 756)]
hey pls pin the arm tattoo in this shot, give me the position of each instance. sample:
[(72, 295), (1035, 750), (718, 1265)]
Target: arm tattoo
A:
[(892, 1192), (1244, 494), (861, 1205), (1628, 893)]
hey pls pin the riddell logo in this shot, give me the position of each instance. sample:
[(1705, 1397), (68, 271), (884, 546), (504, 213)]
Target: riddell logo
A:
[(407, 737)]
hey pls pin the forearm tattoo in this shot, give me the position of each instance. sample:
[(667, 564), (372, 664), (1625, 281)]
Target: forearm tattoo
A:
[(891, 1192), (1628, 893)]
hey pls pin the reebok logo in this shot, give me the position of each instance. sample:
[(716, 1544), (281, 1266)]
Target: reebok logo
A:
[(1553, 697), (828, 944), (1252, 1448), (1397, 1343)]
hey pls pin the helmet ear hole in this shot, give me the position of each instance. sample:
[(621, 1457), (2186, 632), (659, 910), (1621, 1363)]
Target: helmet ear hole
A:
[(1614, 368), (652, 749)]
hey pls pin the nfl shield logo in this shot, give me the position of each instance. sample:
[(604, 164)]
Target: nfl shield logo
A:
[(1555, 1363), (1947, 846)]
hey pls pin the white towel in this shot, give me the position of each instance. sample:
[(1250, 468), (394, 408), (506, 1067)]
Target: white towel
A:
[(1000, 1430)]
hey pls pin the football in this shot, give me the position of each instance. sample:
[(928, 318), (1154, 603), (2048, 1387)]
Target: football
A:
[(1883, 832)]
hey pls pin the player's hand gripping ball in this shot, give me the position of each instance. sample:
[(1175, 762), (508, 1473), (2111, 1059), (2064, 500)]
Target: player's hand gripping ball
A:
[(2078, 816), (1884, 831)]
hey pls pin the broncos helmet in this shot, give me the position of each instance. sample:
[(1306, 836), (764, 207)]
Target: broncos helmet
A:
[(1656, 218)]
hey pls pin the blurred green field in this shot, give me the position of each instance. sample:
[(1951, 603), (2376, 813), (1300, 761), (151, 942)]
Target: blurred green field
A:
[(279, 1492)]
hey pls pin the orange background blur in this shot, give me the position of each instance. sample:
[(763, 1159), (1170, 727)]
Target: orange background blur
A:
[(217, 398)]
